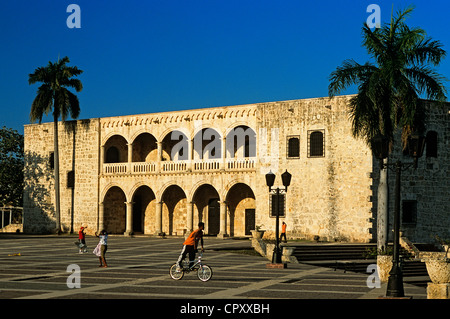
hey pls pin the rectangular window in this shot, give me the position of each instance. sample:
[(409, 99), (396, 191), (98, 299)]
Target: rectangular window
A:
[(277, 202), (70, 179), (249, 220), (409, 212), (316, 143), (293, 147), (51, 160), (431, 144)]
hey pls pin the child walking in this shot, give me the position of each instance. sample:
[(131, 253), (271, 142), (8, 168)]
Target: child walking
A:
[(101, 248), (82, 240)]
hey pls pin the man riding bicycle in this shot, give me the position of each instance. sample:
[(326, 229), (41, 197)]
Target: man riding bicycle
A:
[(190, 245)]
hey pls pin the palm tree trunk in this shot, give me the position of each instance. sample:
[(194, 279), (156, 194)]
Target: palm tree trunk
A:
[(56, 154), (382, 209)]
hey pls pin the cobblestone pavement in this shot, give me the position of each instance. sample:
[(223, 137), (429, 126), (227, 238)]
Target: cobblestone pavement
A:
[(138, 269)]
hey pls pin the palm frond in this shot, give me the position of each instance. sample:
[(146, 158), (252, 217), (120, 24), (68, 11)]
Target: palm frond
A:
[(390, 90), (42, 103), (348, 74), (53, 95), (428, 82), (426, 51)]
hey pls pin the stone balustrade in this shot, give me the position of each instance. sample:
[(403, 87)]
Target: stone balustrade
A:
[(179, 166)]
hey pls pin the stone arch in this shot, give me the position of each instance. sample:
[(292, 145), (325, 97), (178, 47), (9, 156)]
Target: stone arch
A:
[(240, 141), (116, 149), (175, 144), (108, 187), (114, 210), (207, 143), (206, 208), (144, 206), (236, 124), (144, 147), (241, 205), (170, 129), (174, 210)]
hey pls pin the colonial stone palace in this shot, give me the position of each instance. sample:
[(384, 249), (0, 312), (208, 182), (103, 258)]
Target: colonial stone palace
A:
[(164, 172)]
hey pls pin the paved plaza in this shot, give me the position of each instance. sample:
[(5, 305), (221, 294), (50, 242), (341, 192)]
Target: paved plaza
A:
[(36, 267)]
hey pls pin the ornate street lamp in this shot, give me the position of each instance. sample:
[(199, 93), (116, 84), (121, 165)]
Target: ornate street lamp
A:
[(416, 144), (380, 146), (380, 149), (286, 178), (270, 180)]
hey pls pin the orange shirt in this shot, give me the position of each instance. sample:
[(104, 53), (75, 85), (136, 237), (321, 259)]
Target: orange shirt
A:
[(283, 228), (193, 238)]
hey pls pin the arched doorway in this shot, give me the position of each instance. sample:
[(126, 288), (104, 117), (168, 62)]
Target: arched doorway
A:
[(241, 205), (143, 208), (207, 144), (241, 142), (174, 210), (114, 211), (144, 148), (207, 208), (116, 150), (175, 146), (213, 216)]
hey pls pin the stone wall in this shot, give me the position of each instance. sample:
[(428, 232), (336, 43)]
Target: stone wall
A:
[(78, 152), (332, 196), (428, 186)]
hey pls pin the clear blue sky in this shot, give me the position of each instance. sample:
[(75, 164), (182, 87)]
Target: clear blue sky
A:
[(160, 55)]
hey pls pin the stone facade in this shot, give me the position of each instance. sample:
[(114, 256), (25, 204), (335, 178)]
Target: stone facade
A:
[(425, 191), (164, 172)]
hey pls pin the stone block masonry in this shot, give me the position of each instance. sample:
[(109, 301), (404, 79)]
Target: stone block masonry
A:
[(162, 173)]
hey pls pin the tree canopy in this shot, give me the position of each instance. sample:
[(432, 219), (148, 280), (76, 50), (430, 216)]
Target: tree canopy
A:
[(11, 167), (391, 86)]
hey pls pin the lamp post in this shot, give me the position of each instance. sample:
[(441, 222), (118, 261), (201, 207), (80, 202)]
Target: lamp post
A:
[(380, 148), (270, 179)]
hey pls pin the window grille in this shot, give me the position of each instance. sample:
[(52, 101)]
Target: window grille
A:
[(293, 147), (316, 143), (280, 201)]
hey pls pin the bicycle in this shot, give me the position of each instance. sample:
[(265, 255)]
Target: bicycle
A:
[(204, 272)]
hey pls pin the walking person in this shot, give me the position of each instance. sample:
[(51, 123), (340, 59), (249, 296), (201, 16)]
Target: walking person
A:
[(190, 245), (82, 240), (101, 248), (283, 232)]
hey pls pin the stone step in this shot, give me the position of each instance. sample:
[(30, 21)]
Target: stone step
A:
[(350, 257)]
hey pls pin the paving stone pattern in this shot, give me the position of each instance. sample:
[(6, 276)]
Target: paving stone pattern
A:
[(138, 268)]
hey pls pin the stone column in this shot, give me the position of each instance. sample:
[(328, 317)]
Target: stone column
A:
[(191, 155), (190, 217), (159, 156), (158, 218), (129, 224), (223, 220), (101, 216), (224, 153), (102, 158), (130, 156)]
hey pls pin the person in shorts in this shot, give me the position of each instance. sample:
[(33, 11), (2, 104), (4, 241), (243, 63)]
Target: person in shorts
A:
[(190, 245)]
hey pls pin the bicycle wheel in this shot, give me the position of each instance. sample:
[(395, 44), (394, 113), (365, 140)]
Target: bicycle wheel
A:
[(174, 274), (204, 273)]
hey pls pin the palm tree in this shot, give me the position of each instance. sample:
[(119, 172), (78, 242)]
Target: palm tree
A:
[(390, 88), (53, 96)]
